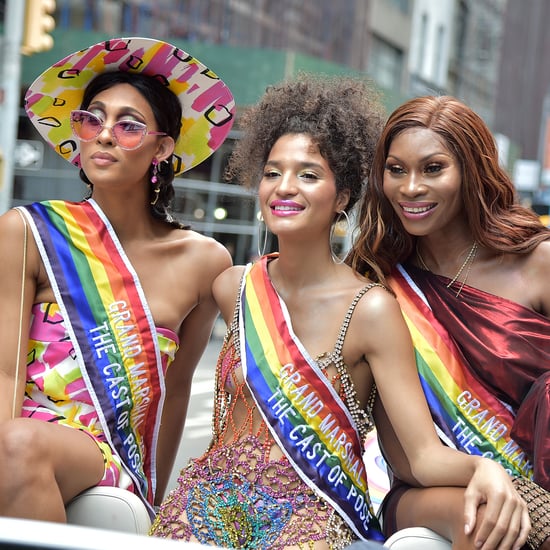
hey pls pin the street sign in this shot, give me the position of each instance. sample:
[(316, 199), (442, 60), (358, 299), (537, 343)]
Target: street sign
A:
[(28, 154)]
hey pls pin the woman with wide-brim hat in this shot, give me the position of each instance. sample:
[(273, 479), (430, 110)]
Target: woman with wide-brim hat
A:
[(100, 297)]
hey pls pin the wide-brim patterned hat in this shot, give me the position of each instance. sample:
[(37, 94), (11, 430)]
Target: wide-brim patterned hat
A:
[(207, 103)]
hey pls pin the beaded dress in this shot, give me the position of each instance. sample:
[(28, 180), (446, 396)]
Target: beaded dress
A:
[(243, 492)]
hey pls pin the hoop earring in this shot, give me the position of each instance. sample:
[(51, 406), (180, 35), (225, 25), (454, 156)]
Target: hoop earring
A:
[(154, 181), (90, 189), (261, 222), (335, 258)]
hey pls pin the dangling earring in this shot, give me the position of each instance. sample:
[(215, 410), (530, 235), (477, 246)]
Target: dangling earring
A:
[(154, 181), (264, 244), (336, 259)]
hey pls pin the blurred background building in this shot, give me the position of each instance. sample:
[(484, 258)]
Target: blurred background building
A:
[(493, 54)]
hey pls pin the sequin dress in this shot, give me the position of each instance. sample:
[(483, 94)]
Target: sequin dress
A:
[(56, 391), (243, 492)]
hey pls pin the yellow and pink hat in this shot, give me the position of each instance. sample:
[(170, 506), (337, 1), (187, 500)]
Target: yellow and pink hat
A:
[(208, 106)]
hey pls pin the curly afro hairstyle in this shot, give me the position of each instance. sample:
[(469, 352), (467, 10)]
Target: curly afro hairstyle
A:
[(343, 115)]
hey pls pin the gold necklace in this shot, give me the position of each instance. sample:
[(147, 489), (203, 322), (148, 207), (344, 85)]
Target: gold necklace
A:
[(467, 262)]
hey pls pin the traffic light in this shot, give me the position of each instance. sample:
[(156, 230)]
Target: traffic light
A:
[(38, 24)]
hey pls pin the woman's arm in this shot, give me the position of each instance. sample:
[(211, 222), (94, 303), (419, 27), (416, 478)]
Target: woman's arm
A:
[(194, 336), (225, 289), (388, 349), (15, 315)]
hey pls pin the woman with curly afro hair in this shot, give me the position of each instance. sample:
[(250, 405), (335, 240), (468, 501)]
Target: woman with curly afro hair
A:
[(310, 346)]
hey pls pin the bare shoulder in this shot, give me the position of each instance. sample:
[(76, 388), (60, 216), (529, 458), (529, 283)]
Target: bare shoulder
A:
[(196, 243), (376, 301), (12, 231), (13, 247), (225, 289), (230, 277), (11, 225), (209, 257), (378, 317), (536, 271), (540, 257)]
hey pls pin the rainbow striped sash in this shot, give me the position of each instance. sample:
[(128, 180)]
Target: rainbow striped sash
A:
[(467, 416), (305, 415), (110, 325)]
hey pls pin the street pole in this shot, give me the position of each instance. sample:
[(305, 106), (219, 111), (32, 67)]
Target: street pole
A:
[(9, 107)]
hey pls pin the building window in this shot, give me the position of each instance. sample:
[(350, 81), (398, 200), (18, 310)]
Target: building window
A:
[(461, 29), (404, 6), (422, 42), (438, 75), (386, 64)]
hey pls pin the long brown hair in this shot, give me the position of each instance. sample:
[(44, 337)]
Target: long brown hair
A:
[(495, 217)]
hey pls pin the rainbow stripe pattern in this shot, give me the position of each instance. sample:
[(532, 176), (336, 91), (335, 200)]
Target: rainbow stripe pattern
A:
[(467, 415), (305, 414), (110, 325)]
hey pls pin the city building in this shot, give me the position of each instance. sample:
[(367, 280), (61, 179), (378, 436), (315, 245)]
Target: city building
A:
[(523, 92), (409, 47)]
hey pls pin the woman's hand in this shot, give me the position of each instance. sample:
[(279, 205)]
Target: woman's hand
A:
[(505, 523)]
